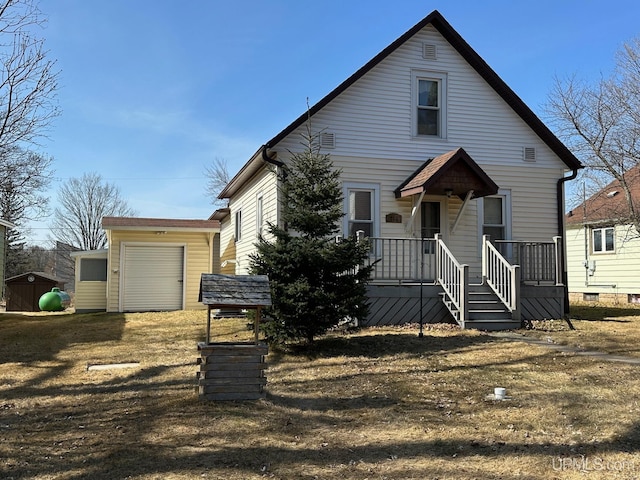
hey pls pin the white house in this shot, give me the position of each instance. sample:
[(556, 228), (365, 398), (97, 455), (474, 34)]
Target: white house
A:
[(603, 246), (436, 151)]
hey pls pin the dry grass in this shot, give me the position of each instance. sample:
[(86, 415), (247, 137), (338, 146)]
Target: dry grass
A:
[(600, 327), (374, 404)]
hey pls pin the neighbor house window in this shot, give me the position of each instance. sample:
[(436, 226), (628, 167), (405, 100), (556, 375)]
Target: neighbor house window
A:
[(361, 209), (238, 225), (602, 240), (259, 214), (93, 269), (429, 104)]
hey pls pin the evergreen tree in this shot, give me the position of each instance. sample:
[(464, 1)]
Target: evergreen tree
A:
[(316, 279)]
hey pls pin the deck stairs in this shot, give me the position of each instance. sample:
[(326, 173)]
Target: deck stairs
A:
[(485, 310)]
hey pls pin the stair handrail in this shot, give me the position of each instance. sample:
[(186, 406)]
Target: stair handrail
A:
[(453, 277), (501, 276)]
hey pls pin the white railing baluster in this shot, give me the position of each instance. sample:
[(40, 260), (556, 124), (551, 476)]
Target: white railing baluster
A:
[(501, 276)]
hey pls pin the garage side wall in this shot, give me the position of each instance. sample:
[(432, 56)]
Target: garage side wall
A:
[(198, 247)]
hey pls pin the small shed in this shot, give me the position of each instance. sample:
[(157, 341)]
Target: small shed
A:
[(233, 371), (24, 291)]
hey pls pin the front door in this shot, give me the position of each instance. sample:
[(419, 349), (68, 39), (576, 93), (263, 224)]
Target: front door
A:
[(430, 223)]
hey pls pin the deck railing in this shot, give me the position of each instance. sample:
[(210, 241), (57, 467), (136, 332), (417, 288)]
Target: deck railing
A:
[(454, 280), (540, 262), (501, 276), (402, 259)]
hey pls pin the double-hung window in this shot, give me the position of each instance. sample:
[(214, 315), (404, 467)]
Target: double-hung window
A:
[(494, 216), (429, 93), (361, 209), (603, 240)]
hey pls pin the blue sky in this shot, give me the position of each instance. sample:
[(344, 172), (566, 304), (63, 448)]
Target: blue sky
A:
[(152, 91)]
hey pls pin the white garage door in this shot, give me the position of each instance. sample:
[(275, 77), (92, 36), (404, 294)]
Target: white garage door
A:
[(153, 278)]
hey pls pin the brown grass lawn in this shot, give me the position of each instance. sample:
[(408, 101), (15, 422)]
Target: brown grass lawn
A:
[(374, 404)]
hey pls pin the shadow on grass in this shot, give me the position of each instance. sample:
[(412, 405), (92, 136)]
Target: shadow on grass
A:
[(257, 460), (27, 338), (603, 313), (376, 346)]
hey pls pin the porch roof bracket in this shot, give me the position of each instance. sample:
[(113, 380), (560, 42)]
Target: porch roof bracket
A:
[(461, 211), (414, 211)]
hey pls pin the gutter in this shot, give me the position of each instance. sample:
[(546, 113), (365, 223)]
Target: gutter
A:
[(560, 209), (268, 159)]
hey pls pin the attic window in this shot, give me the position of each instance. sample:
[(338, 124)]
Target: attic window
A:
[(429, 51), (327, 139), (529, 154)]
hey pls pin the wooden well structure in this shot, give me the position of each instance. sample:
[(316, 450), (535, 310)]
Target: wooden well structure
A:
[(233, 371)]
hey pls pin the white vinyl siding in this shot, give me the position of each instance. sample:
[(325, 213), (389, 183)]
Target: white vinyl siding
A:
[(152, 277), (375, 143), (262, 186), (476, 117)]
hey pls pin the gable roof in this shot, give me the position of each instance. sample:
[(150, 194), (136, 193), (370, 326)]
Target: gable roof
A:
[(140, 223), (42, 275), (608, 205), (472, 58), (453, 172)]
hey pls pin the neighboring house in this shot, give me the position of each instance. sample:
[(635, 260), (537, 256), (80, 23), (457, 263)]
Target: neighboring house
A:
[(429, 141), (603, 247), (151, 264), (4, 226)]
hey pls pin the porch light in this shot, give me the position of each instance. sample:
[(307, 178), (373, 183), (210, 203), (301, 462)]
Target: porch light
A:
[(448, 192)]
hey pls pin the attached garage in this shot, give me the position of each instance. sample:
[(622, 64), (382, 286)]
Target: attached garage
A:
[(153, 277)]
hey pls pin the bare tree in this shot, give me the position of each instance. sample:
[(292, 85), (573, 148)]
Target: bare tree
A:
[(217, 178), (83, 202), (28, 78), (600, 122), (28, 84)]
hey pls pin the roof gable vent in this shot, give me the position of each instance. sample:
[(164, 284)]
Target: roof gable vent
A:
[(429, 51), (327, 139), (529, 154)]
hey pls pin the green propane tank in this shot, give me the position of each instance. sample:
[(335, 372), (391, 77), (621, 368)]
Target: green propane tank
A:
[(54, 301)]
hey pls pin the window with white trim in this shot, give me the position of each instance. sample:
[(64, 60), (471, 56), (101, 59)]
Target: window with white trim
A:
[(361, 209), (494, 216), (259, 214), (93, 269), (602, 240), (429, 104), (238, 225)]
